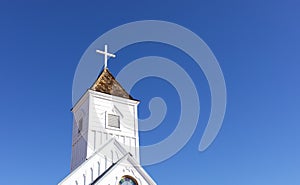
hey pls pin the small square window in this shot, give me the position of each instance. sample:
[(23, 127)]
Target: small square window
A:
[(113, 121)]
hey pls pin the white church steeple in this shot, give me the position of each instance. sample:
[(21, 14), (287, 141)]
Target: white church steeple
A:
[(105, 139), (106, 110)]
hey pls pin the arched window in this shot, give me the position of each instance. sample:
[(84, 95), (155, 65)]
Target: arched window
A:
[(127, 180)]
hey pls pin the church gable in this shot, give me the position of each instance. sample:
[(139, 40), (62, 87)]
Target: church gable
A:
[(106, 83), (106, 168), (124, 170)]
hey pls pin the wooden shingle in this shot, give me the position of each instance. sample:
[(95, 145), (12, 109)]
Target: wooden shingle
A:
[(106, 83)]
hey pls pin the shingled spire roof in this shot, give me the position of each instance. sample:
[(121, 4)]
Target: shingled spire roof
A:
[(106, 83)]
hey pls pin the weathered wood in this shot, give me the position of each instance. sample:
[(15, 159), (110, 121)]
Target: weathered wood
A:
[(106, 83)]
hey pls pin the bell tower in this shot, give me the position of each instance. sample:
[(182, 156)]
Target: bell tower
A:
[(105, 111)]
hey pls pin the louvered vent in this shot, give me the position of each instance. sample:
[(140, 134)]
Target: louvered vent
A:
[(113, 121)]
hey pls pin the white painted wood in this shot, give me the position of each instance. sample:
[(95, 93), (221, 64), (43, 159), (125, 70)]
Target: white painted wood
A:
[(96, 147), (126, 166), (93, 109), (90, 168), (100, 105), (79, 139)]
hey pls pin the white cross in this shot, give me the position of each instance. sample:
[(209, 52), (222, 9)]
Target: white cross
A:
[(106, 55)]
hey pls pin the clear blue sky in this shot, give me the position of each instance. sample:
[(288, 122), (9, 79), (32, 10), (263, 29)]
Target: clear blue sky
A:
[(256, 42)]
